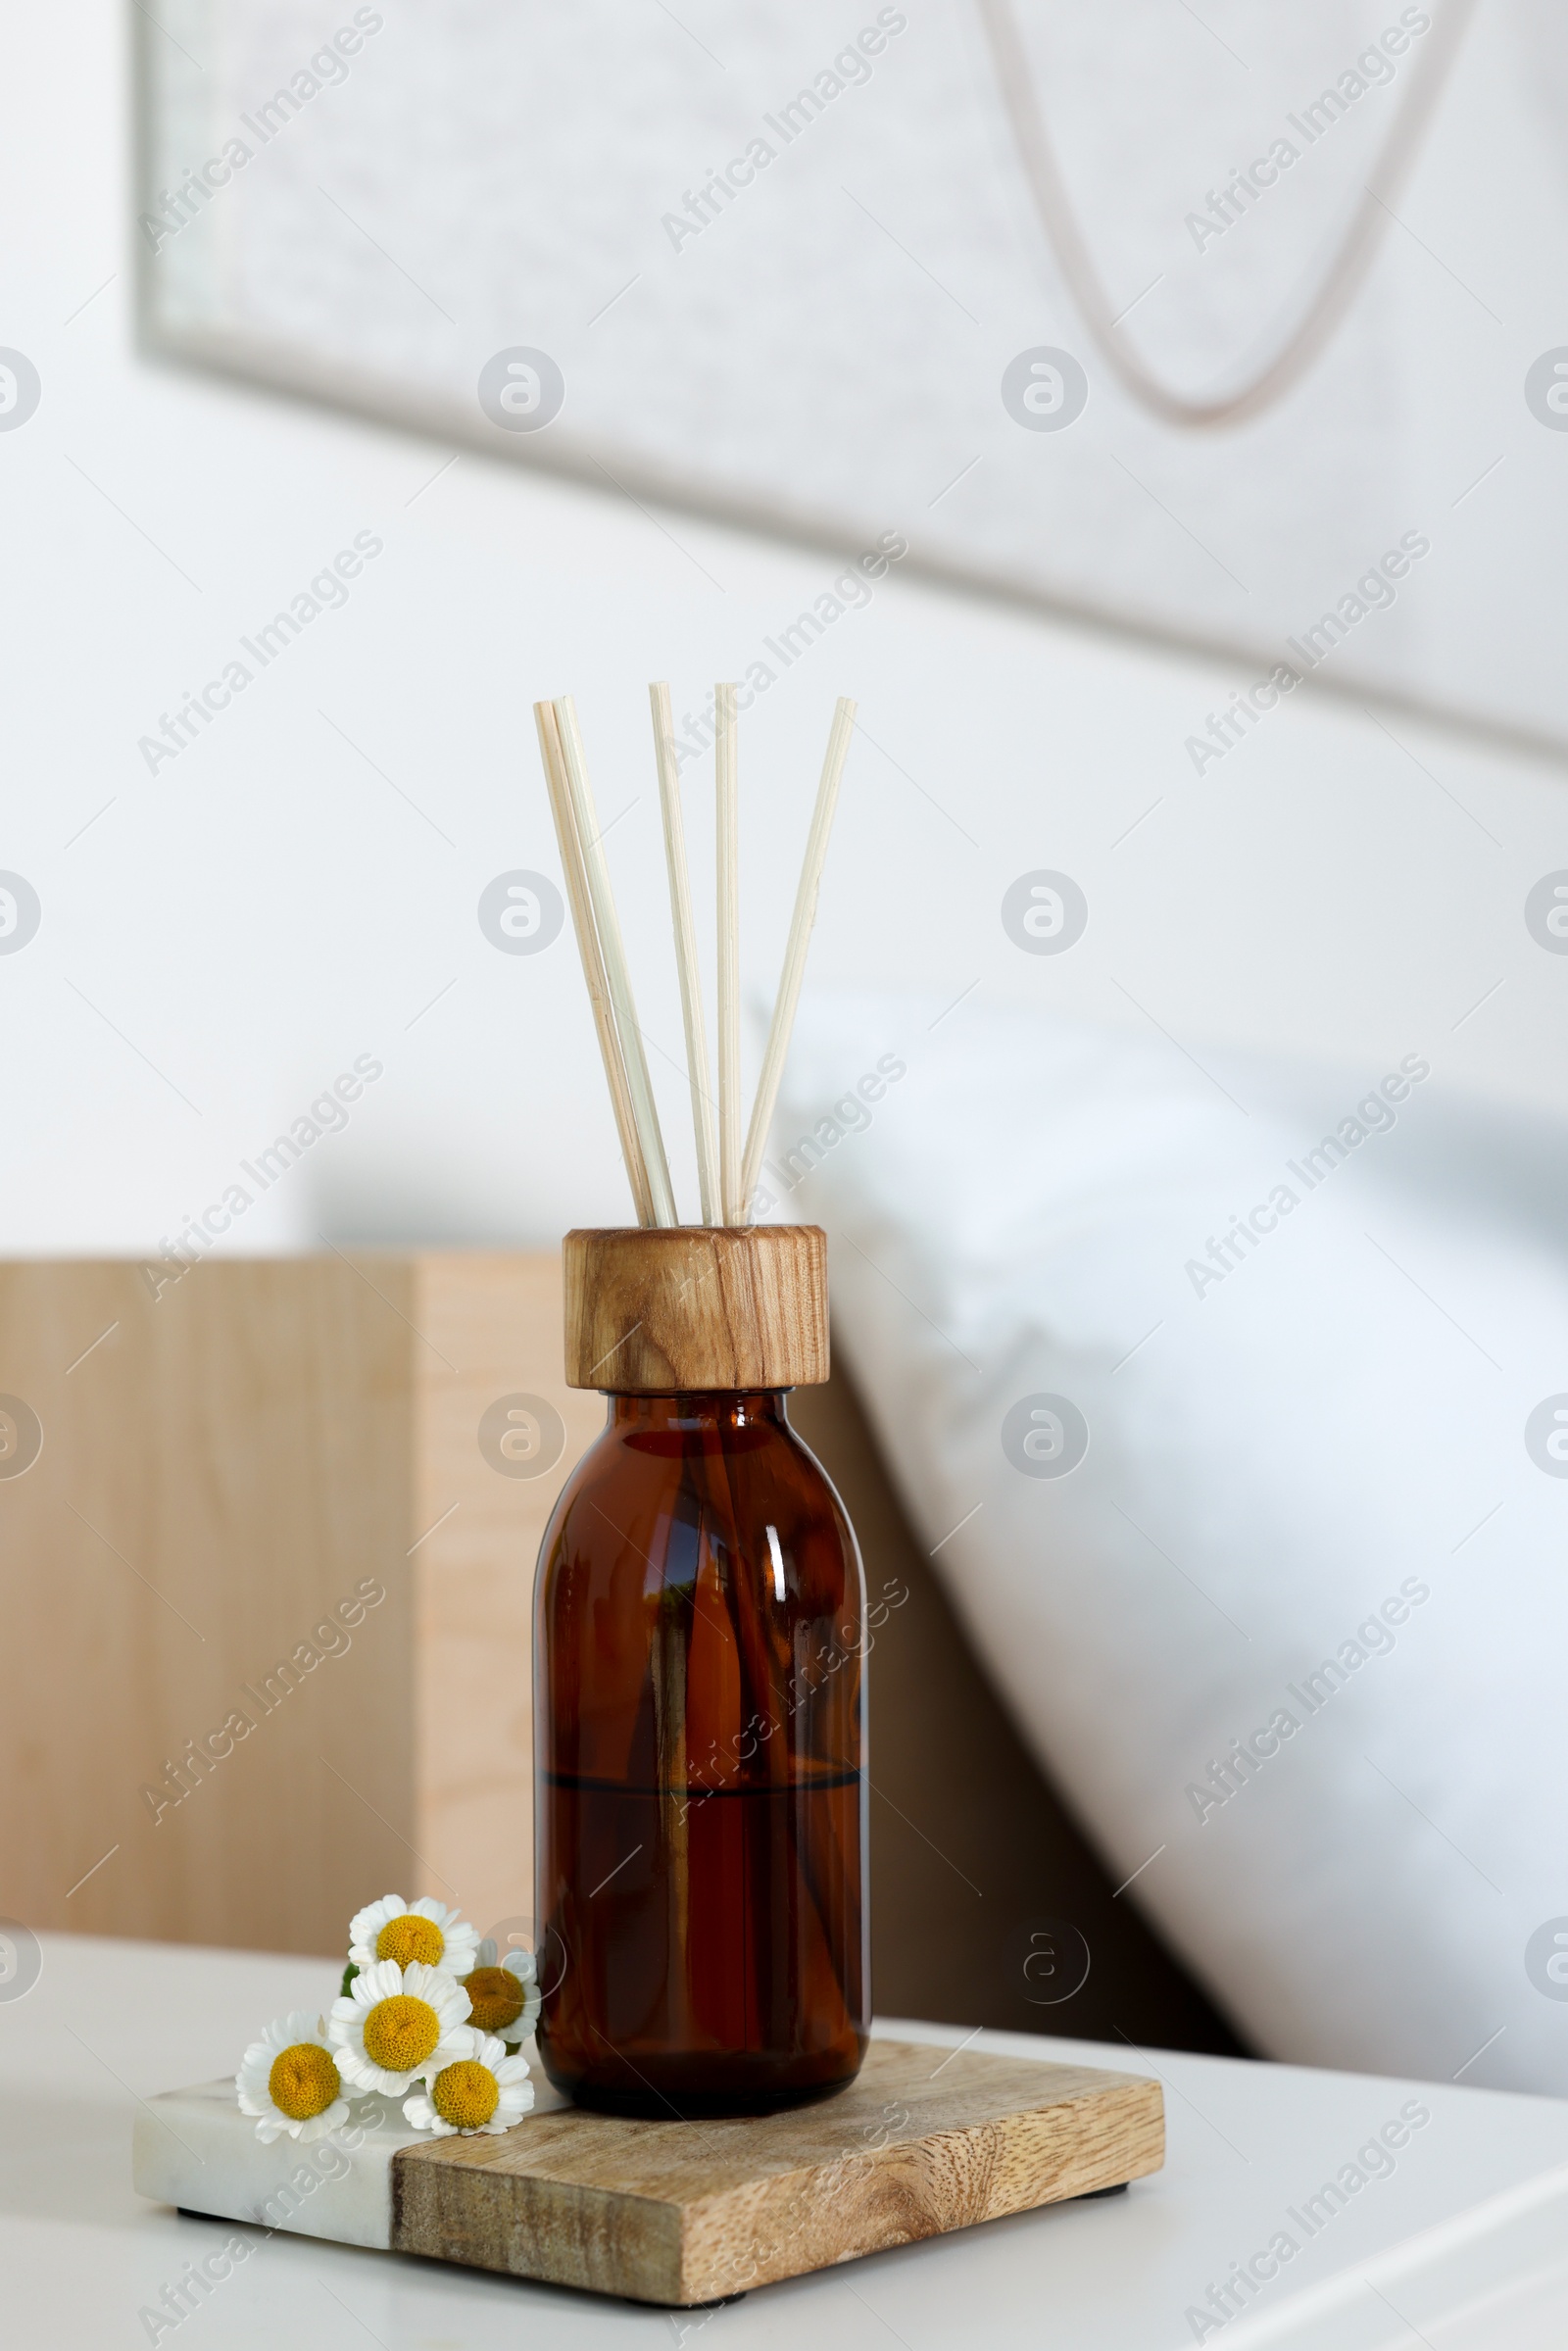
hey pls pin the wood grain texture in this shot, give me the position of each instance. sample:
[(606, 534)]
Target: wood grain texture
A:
[(656, 1312), (218, 1474), (222, 1464), (680, 2212), (491, 1328)]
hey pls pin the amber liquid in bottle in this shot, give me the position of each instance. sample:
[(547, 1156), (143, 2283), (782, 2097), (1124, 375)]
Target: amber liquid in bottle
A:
[(699, 1790)]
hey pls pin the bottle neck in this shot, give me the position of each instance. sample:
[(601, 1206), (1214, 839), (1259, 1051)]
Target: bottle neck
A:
[(719, 1414)]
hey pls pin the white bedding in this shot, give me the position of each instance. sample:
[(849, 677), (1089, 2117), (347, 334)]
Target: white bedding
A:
[(1313, 1458)]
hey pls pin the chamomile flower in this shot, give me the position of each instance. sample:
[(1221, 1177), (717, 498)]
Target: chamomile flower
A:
[(423, 1930), (478, 2089), (504, 2000), (291, 2081), (395, 2025)]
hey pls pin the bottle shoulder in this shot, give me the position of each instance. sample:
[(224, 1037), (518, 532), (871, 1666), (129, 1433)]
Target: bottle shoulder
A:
[(663, 1493), (762, 1453)]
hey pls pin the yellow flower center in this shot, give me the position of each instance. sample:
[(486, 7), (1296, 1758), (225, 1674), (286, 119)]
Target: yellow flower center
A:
[(304, 2082), (401, 2033), (409, 1939), (496, 1997), (465, 2095)]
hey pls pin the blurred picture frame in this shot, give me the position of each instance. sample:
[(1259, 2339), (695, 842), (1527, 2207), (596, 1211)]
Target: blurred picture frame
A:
[(793, 271)]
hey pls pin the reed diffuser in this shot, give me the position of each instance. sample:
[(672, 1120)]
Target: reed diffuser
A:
[(699, 1704)]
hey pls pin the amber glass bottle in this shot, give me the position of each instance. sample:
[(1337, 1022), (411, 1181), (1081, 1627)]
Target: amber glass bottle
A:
[(699, 1708)]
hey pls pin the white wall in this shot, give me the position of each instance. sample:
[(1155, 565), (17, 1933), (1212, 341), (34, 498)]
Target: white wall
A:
[(268, 906)]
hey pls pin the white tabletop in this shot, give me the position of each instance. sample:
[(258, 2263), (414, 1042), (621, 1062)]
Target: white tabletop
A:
[(1462, 2241)]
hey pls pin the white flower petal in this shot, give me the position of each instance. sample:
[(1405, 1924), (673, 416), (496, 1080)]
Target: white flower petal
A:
[(366, 1924), (357, 2071), (453, 2050), (252, 2081), (460, 1939), (524, 1966), (320, 2125), (514, 2091), (461, 2045), (384, 1980), (445, 1994)]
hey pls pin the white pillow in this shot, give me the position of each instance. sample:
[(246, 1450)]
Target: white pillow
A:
[(1315, 1455)]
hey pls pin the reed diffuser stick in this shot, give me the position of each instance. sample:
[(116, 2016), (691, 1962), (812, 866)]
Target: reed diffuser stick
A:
[(729, 955), (645, 1111), (593, 967), (794, 971), (691, 987)]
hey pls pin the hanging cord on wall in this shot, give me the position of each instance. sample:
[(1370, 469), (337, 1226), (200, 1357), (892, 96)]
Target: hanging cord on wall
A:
[(1340, 279)]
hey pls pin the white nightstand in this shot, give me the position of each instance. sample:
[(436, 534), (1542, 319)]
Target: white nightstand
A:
[(1458, 2231)]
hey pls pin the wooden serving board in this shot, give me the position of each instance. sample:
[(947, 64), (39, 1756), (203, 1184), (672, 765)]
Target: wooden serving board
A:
[(682, 2212)]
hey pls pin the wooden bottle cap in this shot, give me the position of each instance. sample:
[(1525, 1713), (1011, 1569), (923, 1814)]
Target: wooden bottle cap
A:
[(660, 1310)]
